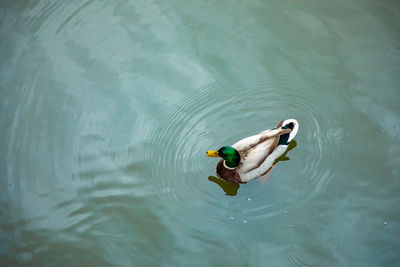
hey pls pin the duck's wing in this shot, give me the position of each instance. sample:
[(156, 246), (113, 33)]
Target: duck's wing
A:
[(249, 142), (254, 153)]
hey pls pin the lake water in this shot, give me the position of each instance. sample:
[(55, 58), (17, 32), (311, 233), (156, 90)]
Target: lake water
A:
[(107, 109)]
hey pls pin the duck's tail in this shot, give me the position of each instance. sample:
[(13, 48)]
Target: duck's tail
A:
[(292, 124)]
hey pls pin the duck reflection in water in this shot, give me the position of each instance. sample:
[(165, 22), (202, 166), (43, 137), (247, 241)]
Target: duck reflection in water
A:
[(231, 188)]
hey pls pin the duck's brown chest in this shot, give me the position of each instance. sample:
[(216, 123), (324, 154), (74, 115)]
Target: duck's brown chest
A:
[(227, 174)]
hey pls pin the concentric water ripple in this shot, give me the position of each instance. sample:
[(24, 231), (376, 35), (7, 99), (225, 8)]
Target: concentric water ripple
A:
[(182, 138), (179, 144)]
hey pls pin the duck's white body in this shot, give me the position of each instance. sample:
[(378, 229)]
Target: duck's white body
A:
[(258, 152)]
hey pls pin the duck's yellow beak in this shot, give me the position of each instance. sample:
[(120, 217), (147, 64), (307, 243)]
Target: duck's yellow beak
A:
[(213, 154)]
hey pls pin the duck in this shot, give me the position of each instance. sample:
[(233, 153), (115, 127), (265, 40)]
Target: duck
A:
[(254, 156)]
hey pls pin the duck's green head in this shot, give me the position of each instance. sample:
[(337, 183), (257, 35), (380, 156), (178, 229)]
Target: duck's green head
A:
[(229, 154)]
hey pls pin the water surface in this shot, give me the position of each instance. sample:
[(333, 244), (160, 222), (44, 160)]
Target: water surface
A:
[(107, 110)]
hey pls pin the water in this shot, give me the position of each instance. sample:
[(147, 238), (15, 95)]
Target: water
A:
[(107, 110)]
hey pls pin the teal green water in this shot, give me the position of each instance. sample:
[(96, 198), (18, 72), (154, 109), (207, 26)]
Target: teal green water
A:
[(107, 110)]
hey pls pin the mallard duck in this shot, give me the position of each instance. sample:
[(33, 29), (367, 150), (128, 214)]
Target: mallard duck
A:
[(253, 156)]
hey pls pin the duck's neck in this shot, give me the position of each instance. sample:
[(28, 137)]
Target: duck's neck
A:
[(229, 168), (232, 160)]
